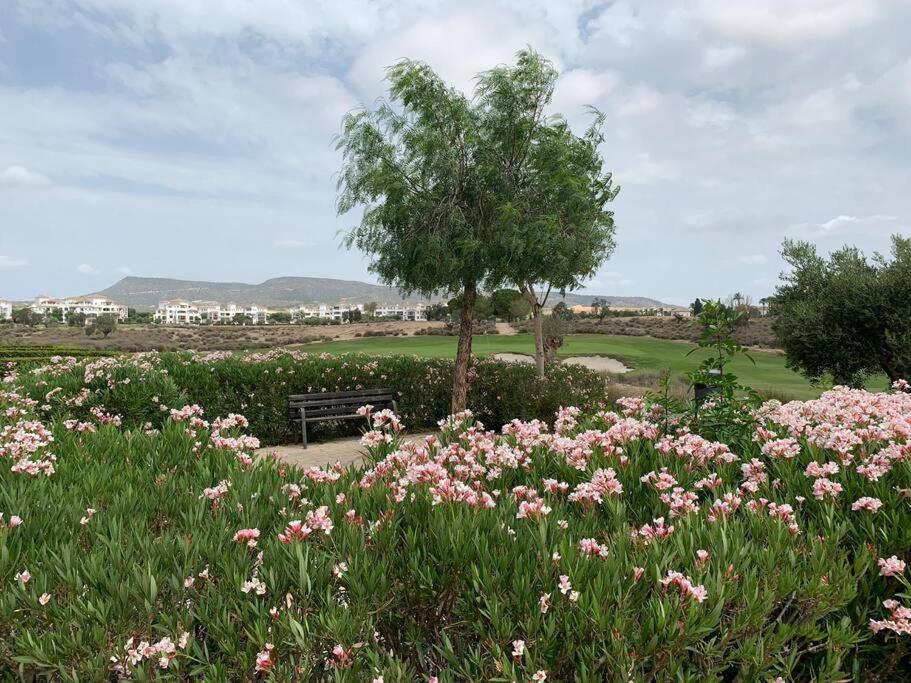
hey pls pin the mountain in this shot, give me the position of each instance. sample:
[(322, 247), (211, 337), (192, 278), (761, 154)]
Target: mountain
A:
[(613, 301), (277, 292), (145, 292)]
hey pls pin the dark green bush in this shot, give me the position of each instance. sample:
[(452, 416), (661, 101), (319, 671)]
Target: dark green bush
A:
[(258, 386)]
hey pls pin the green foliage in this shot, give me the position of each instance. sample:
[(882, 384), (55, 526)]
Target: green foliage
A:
[(103, 324), (258, 386), (76, 319), (562, 311), (41, 354), (509, 304), (437, 312), (848, 316), (25, 316), (431, 587)]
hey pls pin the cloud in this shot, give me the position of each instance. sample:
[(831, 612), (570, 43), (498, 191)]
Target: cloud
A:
[(19, 175), (11, 262), (753, 259), (124, 270), (728, 123), (86, 269), (783, 22), (855, 223)]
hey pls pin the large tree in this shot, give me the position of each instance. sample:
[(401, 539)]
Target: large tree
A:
[(411, 164), (848, 316), (554, 227), (458, 194)]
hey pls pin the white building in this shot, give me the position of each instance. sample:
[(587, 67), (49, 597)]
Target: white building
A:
[(324, 311), (90, 306), (181, 312), (402, 311), (6, 310)]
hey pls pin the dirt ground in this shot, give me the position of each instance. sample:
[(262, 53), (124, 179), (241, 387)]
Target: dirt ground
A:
[(203, 337)]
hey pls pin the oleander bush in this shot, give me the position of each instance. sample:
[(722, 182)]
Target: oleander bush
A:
[(258, 385), (608, 547)]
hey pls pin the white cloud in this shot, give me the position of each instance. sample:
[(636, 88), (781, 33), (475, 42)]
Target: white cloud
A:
[(86, 269), (19, 175), (11, 262), (753, 259), (848, 223), (644, 170), (458, 45), (785, 22), (124, 270)]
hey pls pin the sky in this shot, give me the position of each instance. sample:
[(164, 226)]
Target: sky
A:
[(194, 138)]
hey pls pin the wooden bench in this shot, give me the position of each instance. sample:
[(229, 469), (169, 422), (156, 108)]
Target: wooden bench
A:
[(339, 405)]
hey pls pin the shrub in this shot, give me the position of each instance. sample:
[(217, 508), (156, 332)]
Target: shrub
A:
[(258, 385), (606, 551)]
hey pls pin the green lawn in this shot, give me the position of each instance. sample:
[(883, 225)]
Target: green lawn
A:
[(644, 354)]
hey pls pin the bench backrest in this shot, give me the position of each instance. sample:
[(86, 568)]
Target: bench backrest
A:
[(339, 403)]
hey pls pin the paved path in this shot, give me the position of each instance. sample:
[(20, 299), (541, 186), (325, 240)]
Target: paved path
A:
[(505, 329), (347, 451)]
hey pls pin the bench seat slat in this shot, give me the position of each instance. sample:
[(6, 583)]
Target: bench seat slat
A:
[(388, 398), (358, 393)]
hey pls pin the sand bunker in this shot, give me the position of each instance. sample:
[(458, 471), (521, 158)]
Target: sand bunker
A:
[(599, 363)]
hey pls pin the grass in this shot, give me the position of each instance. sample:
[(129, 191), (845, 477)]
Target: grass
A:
[(645, 355)]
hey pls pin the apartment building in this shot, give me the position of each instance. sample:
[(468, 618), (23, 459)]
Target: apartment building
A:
[(91, 307), (182, 312), (324, 311), (176, 312), (6, 310), (402, 311)]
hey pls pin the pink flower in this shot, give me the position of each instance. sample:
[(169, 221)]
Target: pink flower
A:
[(264, 658), (702, 557), (867, 504), (564, 585), (14, 521), (539, 676), (45, 598), (518, 648), (685, 585), (637, 573), (248, 536), (24, 576), (544, 603), (592, 548), (891, 566), (824, 487), (535, 508)]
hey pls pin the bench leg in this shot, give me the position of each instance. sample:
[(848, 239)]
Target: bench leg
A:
[(304, 426), (395, 407)]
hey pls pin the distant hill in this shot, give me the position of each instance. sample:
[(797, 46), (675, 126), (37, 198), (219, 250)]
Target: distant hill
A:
[(615, 301), (145, 292)]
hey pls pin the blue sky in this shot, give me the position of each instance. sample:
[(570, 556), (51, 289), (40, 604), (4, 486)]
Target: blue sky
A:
[(193, 139)]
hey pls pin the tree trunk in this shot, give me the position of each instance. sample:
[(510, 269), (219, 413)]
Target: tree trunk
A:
[(891, 371), (538, 325), (463, 355)]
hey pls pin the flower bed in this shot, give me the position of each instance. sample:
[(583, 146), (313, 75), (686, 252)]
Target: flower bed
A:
[(602, 548), (258, 385)]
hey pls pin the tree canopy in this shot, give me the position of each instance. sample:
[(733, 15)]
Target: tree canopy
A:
[(846, 316), (459, 194)]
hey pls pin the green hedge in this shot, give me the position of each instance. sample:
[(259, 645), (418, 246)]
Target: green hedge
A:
[(23, 353), (258, 386)]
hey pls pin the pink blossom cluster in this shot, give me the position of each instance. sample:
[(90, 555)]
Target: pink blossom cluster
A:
[(685, 585), (165, 650)]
